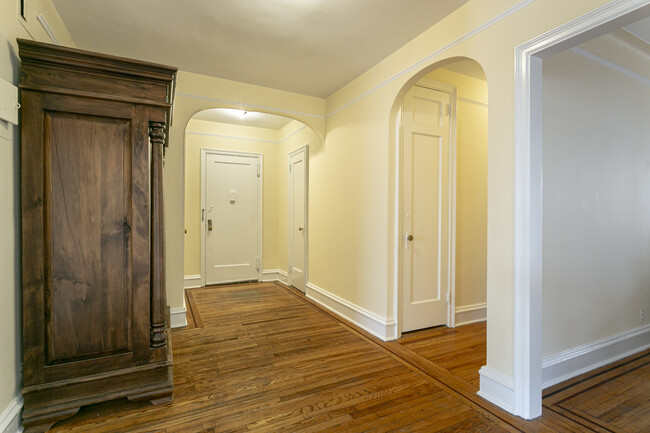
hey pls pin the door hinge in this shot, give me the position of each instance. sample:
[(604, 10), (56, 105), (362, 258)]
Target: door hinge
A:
[(257, 264), (258, 170), (449, 110), (289, 168), (448, 298)]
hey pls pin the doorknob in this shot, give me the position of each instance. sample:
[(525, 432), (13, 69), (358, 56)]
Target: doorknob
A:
[(209, 225), (409, 238), (299, 229)]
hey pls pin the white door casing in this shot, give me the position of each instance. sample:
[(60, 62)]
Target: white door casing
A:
[(297, 213), (231, 216), (426, 192), (527, 380)]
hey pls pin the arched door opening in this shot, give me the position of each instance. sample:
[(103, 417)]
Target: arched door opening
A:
[(242, 200), (442, 223)]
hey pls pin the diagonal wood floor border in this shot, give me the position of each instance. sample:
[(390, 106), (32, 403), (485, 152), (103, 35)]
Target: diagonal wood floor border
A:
[(552, 419)]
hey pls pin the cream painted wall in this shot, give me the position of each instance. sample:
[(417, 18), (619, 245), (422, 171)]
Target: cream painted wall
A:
[(596, 232), (212, 135), (12, 27), (471, 186), (353, 243), (361, 133)]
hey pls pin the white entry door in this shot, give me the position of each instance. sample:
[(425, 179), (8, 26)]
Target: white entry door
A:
[(232, 215), (297, 248), (426, 184)]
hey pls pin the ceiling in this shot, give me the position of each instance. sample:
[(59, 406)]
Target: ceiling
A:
[(237, 117), (313, 47)]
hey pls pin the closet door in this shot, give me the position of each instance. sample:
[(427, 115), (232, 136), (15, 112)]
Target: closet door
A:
[(86, 204)]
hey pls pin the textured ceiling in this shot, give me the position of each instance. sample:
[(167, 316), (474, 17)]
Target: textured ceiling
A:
[(312, 47)]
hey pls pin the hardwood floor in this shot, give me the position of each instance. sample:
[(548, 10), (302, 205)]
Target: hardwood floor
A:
[(461, 351), (614, 398), (261, 357)]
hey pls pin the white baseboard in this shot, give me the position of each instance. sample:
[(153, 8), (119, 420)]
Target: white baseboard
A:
[(192, 281), (380, 327), (10, 419), (471, 314), (274, 275), (497, 388), (178, 317), (578, 360)]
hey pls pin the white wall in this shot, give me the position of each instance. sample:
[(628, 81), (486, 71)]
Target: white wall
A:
[(596, 232), (12, 27)]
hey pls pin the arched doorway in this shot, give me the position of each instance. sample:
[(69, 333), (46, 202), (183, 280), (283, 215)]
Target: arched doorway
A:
[(219, 144), (441, 158)]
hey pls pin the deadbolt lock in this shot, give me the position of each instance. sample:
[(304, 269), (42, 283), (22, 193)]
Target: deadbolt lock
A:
[(209, 225)]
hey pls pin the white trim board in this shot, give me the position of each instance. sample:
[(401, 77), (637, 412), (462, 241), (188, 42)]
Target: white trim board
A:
[(496, 388), (178, 317), (274, 275), (528, 187), (192, 281), (468, 314), (10, 419), (581, 359), (380, 327), (472, 101)]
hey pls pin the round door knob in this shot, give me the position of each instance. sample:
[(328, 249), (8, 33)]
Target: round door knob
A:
[(409, 238), (299, 229)]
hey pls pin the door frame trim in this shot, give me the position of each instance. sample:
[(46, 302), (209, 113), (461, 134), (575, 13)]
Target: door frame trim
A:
[(528, 196), (453, 100), (260, 202), (305, 267)]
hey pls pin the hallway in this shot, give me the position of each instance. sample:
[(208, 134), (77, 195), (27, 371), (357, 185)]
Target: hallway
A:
[(261, 357)]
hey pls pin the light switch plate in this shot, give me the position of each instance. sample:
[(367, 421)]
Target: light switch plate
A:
[(8, 102)]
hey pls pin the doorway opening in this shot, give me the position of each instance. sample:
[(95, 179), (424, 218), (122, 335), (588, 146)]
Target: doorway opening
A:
[(237, 197), (603, 174), (442, 217)]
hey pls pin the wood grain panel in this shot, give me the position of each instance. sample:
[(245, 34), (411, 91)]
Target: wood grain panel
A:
[(89, 294)]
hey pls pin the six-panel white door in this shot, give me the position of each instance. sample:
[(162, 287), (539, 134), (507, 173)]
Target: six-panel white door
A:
[(231, 221), (425, 209)]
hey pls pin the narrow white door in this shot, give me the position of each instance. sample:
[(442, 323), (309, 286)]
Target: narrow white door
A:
[(231, 222), (425, 209), (297, 218)]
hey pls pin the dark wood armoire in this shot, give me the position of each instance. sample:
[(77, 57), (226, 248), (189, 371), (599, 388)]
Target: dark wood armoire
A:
[(95, 319)]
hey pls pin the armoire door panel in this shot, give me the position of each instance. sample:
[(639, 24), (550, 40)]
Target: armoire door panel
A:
[(88, 301)]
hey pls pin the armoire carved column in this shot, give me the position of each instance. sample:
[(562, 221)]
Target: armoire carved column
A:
[(95, 318)]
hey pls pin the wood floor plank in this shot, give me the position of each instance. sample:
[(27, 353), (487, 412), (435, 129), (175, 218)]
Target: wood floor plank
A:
[(262, 358)]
